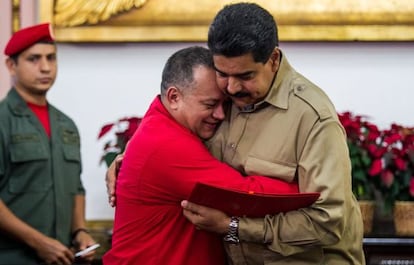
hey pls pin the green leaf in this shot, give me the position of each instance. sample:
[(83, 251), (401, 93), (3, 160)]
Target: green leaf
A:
[(109, 157)]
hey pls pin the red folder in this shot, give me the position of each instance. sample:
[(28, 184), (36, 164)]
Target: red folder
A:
[(251, 204)]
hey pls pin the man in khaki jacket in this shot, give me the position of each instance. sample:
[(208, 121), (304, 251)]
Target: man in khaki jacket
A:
[(283, 126)]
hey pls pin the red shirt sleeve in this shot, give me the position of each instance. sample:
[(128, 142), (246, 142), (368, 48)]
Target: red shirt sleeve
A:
[(171, 171)]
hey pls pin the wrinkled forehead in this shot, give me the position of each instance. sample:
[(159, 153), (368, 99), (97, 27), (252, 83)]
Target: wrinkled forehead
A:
[(205, 83)]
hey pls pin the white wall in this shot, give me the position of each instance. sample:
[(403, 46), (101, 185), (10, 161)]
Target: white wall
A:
[(27, 18), (99, 83), (5, 33)]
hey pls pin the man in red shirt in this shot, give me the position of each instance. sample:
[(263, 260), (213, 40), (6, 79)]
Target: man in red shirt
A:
[(164, 160)]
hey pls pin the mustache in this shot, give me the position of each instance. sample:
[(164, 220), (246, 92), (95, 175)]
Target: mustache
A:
[(239, 94)]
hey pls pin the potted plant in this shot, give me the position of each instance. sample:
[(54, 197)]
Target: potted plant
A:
[(360, 134), (392, 170), (122, 129)]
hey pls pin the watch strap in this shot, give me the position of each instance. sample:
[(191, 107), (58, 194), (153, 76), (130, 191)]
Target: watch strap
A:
[(232, 235)]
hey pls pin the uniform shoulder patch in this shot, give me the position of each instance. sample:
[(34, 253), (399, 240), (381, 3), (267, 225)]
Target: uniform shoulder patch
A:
[(315, 97)]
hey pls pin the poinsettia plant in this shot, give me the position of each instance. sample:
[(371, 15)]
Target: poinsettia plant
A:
[(123, 129), (360, 133), (382, 160), (392, 166)]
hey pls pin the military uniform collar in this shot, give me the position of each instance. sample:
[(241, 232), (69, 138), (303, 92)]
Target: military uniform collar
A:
[(17, 105), (278, 95)]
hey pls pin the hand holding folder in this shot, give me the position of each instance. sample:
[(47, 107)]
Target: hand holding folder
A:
[(251, 204)]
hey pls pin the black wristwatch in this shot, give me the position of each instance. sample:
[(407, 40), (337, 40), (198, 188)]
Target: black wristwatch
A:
[(232, 235)]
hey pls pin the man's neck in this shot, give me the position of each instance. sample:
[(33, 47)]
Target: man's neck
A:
[(37, 99)]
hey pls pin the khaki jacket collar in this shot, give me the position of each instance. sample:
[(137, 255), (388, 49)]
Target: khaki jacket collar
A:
[(278, 95)]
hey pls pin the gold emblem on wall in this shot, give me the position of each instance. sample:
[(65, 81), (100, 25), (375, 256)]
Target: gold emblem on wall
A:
[(15, 15), (70, 13), (188, 20)]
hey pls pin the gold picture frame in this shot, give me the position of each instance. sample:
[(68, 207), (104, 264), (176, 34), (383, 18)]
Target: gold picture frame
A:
[(188, 20)]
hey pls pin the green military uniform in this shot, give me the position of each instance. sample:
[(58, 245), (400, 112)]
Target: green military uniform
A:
[(294, 134), (39, 177)]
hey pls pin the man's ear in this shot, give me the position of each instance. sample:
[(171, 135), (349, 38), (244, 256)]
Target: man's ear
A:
[(173, 96), (275, 59), (11, 65)]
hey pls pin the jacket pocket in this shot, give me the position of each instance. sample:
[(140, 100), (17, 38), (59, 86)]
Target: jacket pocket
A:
[(280, 170), (28, 151), (29, 168), (71, 153)]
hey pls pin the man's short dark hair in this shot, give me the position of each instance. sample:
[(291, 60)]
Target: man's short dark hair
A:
[(243, 28), (178, 70)]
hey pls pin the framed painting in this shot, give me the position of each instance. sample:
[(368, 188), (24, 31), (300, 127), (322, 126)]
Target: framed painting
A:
[(188, 20)]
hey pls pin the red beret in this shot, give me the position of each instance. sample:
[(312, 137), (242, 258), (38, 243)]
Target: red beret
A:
[(26, 37)]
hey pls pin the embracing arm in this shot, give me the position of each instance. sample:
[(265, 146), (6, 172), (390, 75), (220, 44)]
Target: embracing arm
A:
[(324, 167), (110, 178)]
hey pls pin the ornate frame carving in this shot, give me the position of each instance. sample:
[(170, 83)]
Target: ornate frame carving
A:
[(187, 21)]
